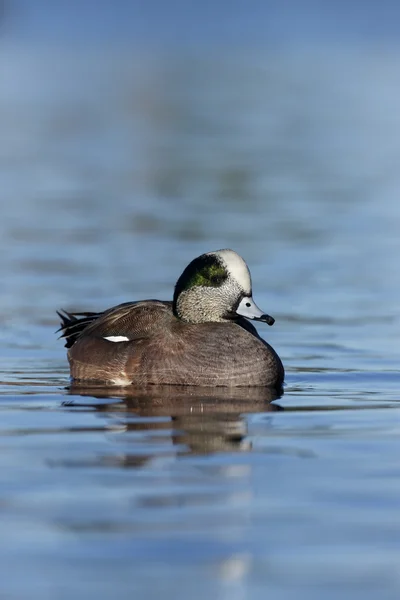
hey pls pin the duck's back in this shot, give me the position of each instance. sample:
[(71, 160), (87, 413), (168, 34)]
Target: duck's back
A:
[(144, 343)]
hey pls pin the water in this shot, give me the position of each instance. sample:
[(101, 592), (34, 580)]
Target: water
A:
[(115, 172)]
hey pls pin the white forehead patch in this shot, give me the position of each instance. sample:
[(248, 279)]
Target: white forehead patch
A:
[(116, 338), (236, 267)]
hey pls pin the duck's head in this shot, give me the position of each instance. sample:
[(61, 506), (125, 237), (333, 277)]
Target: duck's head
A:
[(216, 287)]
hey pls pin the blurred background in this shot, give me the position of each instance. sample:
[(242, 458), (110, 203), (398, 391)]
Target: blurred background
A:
[(135, 135)]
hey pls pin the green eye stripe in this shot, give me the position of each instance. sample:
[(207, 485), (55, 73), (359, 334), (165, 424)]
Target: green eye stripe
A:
[(204, 271), (209, 275)]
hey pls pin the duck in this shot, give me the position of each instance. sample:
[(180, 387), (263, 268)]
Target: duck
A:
[(203, 337)]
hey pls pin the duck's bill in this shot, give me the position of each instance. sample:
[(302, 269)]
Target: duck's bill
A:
[(249, 309)]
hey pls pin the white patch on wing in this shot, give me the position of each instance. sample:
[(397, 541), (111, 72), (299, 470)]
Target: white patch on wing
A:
[(121, 381), (116, 338), (237, 268)]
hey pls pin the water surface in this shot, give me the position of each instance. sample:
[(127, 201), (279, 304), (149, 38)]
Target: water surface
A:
[(115, 172)]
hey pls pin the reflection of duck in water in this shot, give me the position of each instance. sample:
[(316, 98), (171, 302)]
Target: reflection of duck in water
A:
[(200, 420), (202, 338)]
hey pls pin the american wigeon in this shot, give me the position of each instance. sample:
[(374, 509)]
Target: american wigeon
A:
[(201, 338)]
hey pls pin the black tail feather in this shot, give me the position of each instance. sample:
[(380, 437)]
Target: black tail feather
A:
[(72, 324)]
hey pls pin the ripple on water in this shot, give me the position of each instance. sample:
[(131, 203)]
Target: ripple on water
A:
[(113, 181)]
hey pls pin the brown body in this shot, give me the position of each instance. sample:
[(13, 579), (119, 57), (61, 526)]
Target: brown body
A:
[(163, 349)]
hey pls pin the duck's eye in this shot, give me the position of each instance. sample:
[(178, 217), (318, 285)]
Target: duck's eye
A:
[(217, 279), (248, 304), (215, 274), (209, 275)]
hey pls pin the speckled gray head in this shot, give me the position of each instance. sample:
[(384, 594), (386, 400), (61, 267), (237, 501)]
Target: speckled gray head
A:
[(216, 287)]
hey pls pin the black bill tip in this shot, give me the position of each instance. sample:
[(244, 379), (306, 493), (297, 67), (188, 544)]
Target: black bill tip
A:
[(266, 319)]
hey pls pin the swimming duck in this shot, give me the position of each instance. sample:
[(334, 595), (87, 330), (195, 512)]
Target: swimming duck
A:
[(203, 337)]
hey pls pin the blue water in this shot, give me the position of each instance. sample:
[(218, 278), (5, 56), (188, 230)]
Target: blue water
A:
[(115, 171)]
